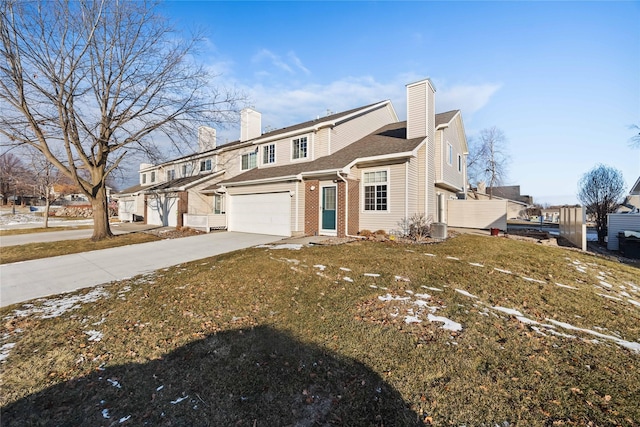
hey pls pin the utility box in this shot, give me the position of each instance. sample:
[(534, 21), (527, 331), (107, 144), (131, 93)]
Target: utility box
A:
[(629, 245), (439, 230)]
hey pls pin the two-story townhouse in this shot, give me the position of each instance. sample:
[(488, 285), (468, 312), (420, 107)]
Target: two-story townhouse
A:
[(336, 175)]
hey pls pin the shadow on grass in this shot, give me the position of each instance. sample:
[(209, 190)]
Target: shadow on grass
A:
[(248, 377)]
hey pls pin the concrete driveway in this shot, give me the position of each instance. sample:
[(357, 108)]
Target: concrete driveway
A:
[(27, 280)]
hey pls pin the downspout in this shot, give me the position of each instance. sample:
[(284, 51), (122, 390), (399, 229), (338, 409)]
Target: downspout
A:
[(406, 190), (346, 207)]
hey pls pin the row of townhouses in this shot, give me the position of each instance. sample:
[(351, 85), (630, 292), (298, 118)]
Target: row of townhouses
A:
[(337, 175)]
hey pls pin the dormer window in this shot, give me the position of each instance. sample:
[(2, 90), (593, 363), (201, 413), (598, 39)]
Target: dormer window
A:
[(299, 148), (171, 175), (205, 165), (153, 177), (144, 178)]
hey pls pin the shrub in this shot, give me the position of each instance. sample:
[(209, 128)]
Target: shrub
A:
[(417, 227)]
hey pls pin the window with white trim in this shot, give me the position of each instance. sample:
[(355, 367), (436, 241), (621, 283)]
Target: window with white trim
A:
[(171, 175), (184, 170), (249, 161), (144, 178), (376, 186), (218, 204), (269, 154), (299, 149), (205, 165), (449, 154), (153, 177)]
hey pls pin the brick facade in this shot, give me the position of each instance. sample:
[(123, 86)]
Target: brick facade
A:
[(183, 204), (354, 207), (311, 208), (341, 209)]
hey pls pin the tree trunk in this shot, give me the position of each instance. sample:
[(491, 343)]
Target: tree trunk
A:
[(101, 228), (46, 212)]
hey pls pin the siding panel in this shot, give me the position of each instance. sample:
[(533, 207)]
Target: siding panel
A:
[(482, 214), (355, 129), (620, 222)]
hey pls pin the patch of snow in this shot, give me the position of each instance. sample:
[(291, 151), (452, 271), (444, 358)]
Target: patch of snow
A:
[(57, 307), (625, 294), (421, 303), (412, 319), (159, 388), (114, 383), (5, 350), (526, 320), (429, 254), (581, 270), (510, 311), (105, 414), (373, 286), (423, 296), (605, 284), (636, 303), (94, 335), (345, 269), (123, 419), (633, 346), (372, 274), (389, 297), (476, 264), (320, 266), (502, 271), (401, 279), (292, 246), (449, 324), (347, 279), (178, 400), (453, 258), (431, 289), (465, 293), (565, 286), (611, 297)]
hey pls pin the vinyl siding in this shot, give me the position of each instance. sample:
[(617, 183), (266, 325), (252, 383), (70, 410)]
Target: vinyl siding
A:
[(620, 222), (431, 155), (417, 110), (284, 148), (483, 214), (449, 173), (396, 192), (321, 143), (297, 221), (422, 178), (412, 186), (355, 129)]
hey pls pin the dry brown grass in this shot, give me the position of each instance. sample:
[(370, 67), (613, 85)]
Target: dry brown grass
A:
[(265, 337)]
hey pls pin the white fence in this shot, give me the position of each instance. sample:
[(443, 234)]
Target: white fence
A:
[(617, 223), (482, 214), (573, 226), (205, 222)]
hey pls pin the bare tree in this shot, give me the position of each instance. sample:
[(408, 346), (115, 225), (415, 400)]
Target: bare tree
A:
[(635, 139), (95, 80), (14, 177), (600, 191), (488, 158), (45, 177)]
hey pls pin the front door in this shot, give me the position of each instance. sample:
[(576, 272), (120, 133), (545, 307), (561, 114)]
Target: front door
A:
[(329, 208)]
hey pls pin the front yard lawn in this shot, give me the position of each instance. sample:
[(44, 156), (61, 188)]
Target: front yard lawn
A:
[(472, 331)]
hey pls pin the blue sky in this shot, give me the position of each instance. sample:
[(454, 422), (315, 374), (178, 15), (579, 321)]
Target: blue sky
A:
[(560, 79)]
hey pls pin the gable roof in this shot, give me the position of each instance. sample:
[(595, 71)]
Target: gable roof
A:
[(387, 141), (320, 121), (444, 118), (179, 184), (636, 188)]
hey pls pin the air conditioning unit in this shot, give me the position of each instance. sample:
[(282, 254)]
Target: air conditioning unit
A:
[(439, 230)]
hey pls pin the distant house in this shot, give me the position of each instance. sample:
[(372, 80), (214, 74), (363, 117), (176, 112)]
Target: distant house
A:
[(632, 200), (335, 175), (517, 205)]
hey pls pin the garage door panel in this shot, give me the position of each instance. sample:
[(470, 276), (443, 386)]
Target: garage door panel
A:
[(162, 211), (268, 213)]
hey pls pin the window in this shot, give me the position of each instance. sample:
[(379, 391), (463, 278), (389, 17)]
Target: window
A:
[(153, 177), (144, 178), (269, 154), (249, 161), (449, 154), (171, 175), (375, 191), (218, 204), (184, 170), (459, 163), (300, 148), (205, 165)]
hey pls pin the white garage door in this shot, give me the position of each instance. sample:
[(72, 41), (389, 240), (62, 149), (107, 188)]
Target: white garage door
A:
[(268, 213), (162, 211)]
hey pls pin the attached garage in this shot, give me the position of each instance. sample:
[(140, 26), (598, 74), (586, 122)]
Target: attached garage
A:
[(162, 211), (266, 213)]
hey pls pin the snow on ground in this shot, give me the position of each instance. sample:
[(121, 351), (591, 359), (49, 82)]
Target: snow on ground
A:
[(5, 349), (448, 324), (291, 246), (372, 274), (94, 335), (465, 293), (58, 306)]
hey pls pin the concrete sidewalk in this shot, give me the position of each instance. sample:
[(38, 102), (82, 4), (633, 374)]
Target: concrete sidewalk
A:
[(26, 280)]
